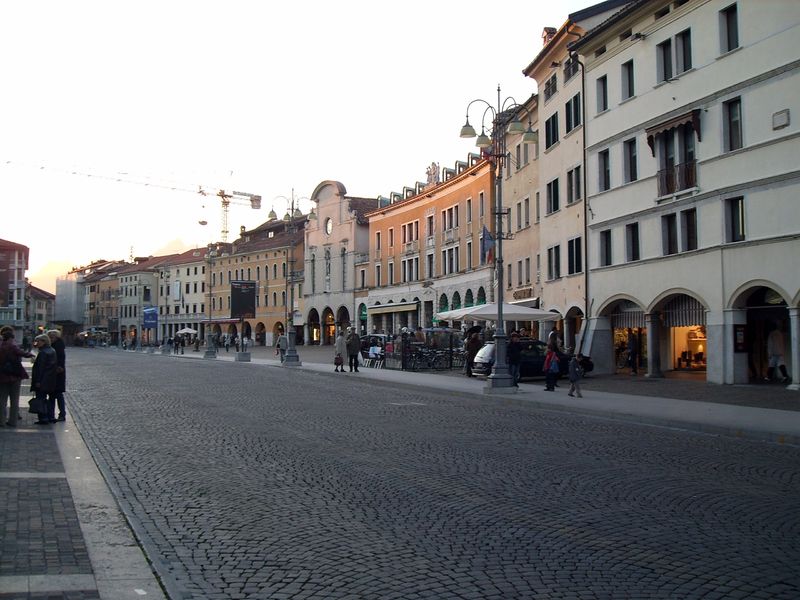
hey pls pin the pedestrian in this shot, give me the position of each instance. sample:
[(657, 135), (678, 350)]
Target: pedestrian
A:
[(419, 335), (353, 348), (553, 340), (57, 344), (471, 348), (236, 342), (775, 353), (282, 346), (551, 370), (228, 344), (11, 375), (43, 378), (514, 357), (633, 351), (575, 375), (340, 352)]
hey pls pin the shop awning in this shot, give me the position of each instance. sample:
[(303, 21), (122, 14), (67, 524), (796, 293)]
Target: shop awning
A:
[(382, 309), (221, 320), (691, 118), (684, 311)]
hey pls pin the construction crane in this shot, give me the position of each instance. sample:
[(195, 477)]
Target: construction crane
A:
[(242, 198)]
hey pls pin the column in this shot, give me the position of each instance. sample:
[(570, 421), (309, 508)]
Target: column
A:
[(653, 323), (793, 348)]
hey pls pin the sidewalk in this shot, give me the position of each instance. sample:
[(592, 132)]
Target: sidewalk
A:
[(63, 536)]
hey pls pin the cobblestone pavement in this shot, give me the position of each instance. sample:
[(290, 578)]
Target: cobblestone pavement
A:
[(252, 482)]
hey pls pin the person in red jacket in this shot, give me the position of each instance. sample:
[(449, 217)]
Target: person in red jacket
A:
[(11, 375)]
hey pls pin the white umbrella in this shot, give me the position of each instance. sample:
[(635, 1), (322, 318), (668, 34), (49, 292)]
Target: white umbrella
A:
[(185, 330), (488, 312)]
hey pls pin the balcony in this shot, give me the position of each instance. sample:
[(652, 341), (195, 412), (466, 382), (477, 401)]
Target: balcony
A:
[(411, 247), (675, 179)]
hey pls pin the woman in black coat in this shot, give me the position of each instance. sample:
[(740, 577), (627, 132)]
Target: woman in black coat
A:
[(61, 373), (11, 375), (43, 378)]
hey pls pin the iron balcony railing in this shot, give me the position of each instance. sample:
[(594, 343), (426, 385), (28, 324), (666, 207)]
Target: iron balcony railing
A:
[(680, 177)]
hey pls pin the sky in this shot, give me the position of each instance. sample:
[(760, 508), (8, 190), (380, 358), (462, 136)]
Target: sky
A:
[(114, 113)]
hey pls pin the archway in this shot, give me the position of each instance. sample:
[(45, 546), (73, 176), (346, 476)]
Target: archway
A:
[(362, 318), (468, 299), (623, 318), (456, 303), (481, 296), (343, 318), (328, 327), (443, 303), (261, 338), (313, 325), (678, 331), (765, 313)]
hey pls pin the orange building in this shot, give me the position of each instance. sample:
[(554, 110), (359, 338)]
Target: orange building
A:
[(425, 248)]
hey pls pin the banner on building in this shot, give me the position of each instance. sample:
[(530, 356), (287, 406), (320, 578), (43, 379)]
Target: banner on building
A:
[(150, 317), (243, 299)]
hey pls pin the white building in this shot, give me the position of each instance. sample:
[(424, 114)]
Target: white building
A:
[(334, 241), (694, 224)]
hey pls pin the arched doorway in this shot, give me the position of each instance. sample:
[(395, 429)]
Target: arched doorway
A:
[(679, 330), (443, 303), (481, 296), (328, 327), (362, 319), (626, 320), (763, 323), (468, 299), (261, 338), (313, 327), (343, 318)]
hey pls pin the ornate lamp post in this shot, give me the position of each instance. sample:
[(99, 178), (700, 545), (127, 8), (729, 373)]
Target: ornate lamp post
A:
[(292, 218), (211, 350), (494, 148)]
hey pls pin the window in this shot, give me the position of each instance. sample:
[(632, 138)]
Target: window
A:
[(554, 262), (573, 112), (574, 256), (469, 210), (689, 229), (480, 205), (603, 171), (729, 29), (602, 94), (519, 272), (632, 242), (664, 60), (391, 273), (526, 209), (378, 282), (429, 225), (519, 216), (527, 269), (552, 196), (391, 237), (377, 242), (605, 248), (551, 131), (469, 255), (538, 208), (570, 67), (669, 234), (550, 87), (574, 185), (362, 278), (429, 271), (628, 89), (508, 277), (683, 51), (732, 127), (629, 156), (734, 219)]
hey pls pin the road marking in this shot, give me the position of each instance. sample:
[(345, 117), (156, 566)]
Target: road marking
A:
[(407, 403)]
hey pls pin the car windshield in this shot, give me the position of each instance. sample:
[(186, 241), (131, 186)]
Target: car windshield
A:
[(485, 354)]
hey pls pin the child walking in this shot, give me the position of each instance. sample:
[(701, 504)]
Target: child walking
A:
[(575, 374)]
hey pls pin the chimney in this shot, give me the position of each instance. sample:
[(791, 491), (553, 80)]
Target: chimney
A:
[(547, 35)]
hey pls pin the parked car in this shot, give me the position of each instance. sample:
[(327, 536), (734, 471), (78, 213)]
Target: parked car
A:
[(532, 363)]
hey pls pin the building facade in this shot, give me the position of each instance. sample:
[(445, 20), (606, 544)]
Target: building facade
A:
[(693, 185), (13, 265)]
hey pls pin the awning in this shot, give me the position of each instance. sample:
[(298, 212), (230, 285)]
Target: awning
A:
[(221, 320), (691, 118), (529, 302), (382, 309), (684, 311)]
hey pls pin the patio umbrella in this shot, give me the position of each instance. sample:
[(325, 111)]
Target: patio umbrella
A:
[(488, 312), (186, 330)]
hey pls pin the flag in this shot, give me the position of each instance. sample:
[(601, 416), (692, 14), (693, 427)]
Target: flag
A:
[(487, 246)]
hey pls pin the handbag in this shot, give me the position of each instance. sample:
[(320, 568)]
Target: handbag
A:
[(37, 406), (338, 361)]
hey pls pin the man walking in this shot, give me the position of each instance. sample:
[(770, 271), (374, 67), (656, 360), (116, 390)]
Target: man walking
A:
[(353, 348)]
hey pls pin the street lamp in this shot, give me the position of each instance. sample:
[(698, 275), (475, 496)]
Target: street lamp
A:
[(494, 149), (291, 218), (211, 350)]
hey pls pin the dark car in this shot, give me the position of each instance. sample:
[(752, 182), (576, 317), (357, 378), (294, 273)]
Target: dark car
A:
[(531, 365)]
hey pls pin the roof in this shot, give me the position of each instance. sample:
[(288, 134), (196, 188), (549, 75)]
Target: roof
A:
[(603, 27), (572, 19), (145, 264), (40, 293), (362, 206), (9, 244)]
